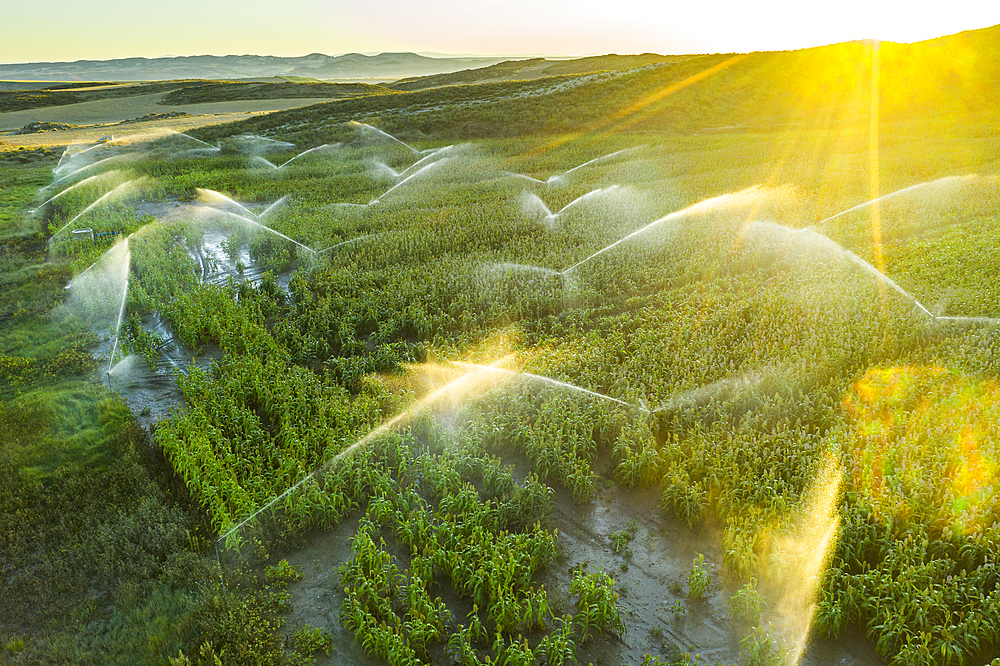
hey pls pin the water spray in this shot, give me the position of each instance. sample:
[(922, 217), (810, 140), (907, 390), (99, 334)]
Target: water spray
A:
[(346, 242), (553, 382), (325, 146), (407, 179), (557, 179), (367, 127), (98, 202), (933, 183), (459, 384)]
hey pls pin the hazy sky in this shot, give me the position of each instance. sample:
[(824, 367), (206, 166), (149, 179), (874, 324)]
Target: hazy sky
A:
[(103, 29)]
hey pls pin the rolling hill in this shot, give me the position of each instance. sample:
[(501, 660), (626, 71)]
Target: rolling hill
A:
[(385, 66)]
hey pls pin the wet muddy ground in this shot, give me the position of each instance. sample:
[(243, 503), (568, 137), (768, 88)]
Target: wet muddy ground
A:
[(651, 582), (151, 391)]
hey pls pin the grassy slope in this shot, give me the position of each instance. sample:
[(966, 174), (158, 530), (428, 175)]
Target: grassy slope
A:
[(802, 117), (824, 87), (90, 546), (183, 92), (532, 68), (220, 91), (19, 100)]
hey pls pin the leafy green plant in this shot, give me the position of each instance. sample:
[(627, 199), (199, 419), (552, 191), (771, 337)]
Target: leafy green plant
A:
[(596, 605), (621, 538), (309, 640), (15, 645), (699, 579), (283, 573), (746, 604), (758, 649)]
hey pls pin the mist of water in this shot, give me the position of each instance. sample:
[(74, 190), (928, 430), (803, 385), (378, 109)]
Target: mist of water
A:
[(121, 309), (191, 138), (325, 146), (254, 223), (821, 244), (416, 173), (127, 186), (253, 143), (89, 167), (433, 155), (885, 279), (257, 160), (513, 374), (533, 206), (97, 294), (512, 267), (718, 390), (211, 196), (277, 205), (123, 367), (458, 390), (346, 242), (734, 200), (347, 205), (85, 181), (947, 181), (521, 175), (988, 321), (800, 559), (73, 161), (589, 196), (382, 171), (602, 158), (561, 178)]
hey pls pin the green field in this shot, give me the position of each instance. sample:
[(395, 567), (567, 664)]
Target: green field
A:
[(696, 358)]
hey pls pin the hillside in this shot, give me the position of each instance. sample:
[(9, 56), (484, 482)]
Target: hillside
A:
[(827, 86), (533, 68)]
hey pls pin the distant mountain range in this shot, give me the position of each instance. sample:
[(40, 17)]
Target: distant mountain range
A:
[(348, 67)]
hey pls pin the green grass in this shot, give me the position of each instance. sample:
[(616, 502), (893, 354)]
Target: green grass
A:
[(97, 557)]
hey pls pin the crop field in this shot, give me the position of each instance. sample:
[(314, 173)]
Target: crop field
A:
[(625, 397)]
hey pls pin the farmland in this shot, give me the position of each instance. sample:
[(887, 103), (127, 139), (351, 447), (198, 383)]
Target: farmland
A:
[(525, 372)]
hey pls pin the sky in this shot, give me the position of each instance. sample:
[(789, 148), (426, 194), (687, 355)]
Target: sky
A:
[(65, 30)]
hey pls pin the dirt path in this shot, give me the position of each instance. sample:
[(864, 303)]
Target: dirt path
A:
[(99, 115)]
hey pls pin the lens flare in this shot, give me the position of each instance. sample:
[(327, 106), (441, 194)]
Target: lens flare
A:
[(921, 445)]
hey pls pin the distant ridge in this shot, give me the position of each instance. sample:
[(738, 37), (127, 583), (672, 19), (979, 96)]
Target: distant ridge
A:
[(350, 66)]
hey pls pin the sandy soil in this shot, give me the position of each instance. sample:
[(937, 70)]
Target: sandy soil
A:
[(101, 113)]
